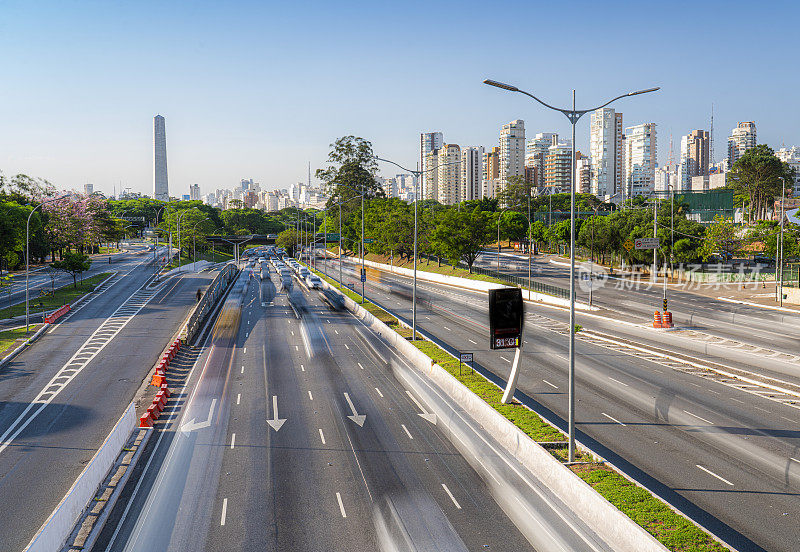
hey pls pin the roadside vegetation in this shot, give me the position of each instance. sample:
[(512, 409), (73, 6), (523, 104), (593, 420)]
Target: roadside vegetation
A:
[(10, 337), (47, 300), (671, 529)]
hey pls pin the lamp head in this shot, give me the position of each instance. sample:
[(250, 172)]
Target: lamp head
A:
[(502, 85)]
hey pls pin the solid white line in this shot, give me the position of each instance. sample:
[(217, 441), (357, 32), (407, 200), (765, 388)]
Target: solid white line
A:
[(788, 419), (698, 417), (310, 396), (715, 475), (302, 368), (794, 459), (359, 365), (379, 392), (550, 384), (473, 342), (238, 398), (244, 350), (619, 382), (613, 418), (242, 369), (451, 496), (321, 436), (341, 506), (224, 511), (504, 358), (233, 439), (346, 347), (406, 430)]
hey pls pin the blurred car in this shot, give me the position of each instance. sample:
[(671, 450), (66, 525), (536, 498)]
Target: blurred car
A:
[(313, 281)]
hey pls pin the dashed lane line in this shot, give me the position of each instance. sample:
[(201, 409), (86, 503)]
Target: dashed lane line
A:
[(709, 472), (451, 496)]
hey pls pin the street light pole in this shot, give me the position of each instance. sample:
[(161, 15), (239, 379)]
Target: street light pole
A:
[(783, 215), (27, 258), (194, 243), (499, 215), (573, 115)]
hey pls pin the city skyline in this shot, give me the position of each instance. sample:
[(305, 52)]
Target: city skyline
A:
[(69, 137)]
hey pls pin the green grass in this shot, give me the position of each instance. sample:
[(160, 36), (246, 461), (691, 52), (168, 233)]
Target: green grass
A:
[(8, 337), (214, 257), (673, 530), (62, 296), (432, 266)]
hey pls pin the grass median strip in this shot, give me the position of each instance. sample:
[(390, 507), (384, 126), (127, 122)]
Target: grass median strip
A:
[(61, 296), (671, 529), (9, 337)]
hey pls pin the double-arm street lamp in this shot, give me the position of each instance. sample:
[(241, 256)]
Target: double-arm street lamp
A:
[(417, 175), (783, 216), (573, 115)]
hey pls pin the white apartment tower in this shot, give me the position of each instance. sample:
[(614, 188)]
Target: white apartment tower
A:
[(448, 178), (536, 151), (194, 192), (606, 151), (428, 143), (160, 184), (742, 138), (471, 173), (512, 150), (640, 159)]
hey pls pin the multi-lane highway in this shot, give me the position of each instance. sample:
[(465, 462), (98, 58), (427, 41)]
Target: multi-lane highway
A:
[(728, 457), (292, 434), (60, 397)]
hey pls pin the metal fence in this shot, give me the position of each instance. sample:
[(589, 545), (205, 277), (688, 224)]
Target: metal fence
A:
[(519, 281), (215, 290), (791, 275)]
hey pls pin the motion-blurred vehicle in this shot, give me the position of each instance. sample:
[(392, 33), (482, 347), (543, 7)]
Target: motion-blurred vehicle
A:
[(264, 274), (313, 281), (333, 299)]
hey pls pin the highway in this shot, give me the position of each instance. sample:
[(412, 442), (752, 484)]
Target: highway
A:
[(739, 322), (727, 457), (291, 434), (61, 396)]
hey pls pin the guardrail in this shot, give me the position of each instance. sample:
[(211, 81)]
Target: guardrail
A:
[(209, 299), (56, 314), (520, 281)]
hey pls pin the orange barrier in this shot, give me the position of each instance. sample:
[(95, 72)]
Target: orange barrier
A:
[(667, 323), (657, 320), (161, 400), (56, 314), (165, 390), (153, 412), (159, 379), (146, 421)]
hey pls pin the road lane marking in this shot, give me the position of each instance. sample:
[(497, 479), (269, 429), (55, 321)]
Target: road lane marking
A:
[(619, 382), (310, 396), (379, 392), (296, 348), (328, 321), (238, 397), (346, 347), (698, 417), (446, 328), (336, 332), (550, 384), (737, 400), (341, 506), (762, 409), (794, 459), (788, 419), (302, 368), (504, 358), (233, 439), (292, 332), (244, 350), (451, 496), (714, 474), (322, 436), (224, 511), (473, 342), (407, 432), (613, 419), (242, 369)]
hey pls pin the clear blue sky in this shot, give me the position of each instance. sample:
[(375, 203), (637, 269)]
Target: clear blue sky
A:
[(258, 89)]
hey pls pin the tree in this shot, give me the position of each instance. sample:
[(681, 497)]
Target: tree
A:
[(461, 235), (721, 236), (289, 238), (351, 169), (74, 264), (516, 194), (757, 175)]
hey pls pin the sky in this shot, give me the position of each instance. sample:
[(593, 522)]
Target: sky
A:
[(260, 89)]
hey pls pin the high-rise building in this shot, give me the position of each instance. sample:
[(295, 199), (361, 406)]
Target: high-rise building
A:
[(640, 159), (491, 164), (535, 152), (428, 142), (558, 166), (792, 157), (742, 138), (471, 173), (160, 184), (194, 192), (88, 189), (430, 164), (583, 173), (448, 178), (512, 150), (606, 150), (247, 184), (694, 158)]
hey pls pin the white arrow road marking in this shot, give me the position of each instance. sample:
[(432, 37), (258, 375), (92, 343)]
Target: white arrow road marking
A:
[(275, 423), (431, 417), (191, 425), (356, 417)]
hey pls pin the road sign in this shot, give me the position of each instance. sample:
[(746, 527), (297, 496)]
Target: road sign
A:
[(363, 275), (465, 357), (333, 237), (647, 243), (628, 245), (368, 240), (505, 318)]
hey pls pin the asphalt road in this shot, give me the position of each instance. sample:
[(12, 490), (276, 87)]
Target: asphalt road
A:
[(346, 462), (744, 323), (47, 438), (728, 458)]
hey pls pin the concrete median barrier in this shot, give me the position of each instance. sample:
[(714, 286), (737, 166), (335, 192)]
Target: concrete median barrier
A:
[(52, 535)]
